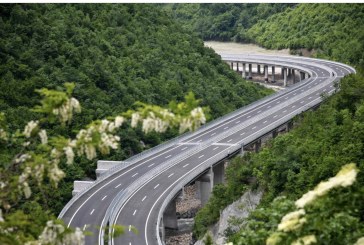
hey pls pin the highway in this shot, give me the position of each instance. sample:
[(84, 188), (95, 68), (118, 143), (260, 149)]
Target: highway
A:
[(143, 187)]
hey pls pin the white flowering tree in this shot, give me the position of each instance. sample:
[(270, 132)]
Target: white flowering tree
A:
[(39, 156)]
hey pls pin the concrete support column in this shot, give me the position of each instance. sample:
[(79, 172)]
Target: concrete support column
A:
[(204, 186), (306, 76), (257, 145), (243, 74), (273, 74), (266, 74), (284, 77), (274, 133), (259, 69), (293, 76), (219, 171), (169, 216), (232, 65), (250, 71)]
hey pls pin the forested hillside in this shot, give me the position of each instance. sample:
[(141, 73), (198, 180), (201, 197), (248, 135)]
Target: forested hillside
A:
[(334, 31), (221, 21), (116, 55)]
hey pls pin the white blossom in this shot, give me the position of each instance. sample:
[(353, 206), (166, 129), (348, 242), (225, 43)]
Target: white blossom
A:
[(22, 158), (75, 105), (292, 221), (70, 155), (43, 136), (135, 118), (55, 174), (119, 121), (29, 128), (345, 177), (27, 190), (186, 124), (1, 215), (360, 241), (306, 240), (90, 151)]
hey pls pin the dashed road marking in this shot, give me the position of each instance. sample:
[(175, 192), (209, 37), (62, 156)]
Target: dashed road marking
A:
[(134, 212), (201, 156), (168, 156), (117, 186), (134, 175), (237, 122), (254, 127), (151, 165), (84, 227), (242, 133), (185, 165), (226, 127), (93, 210), (103, 198), (155, 187), (229, 140), (212, 134), (215, 148), (264, 122), (144, 198), (184, 148)]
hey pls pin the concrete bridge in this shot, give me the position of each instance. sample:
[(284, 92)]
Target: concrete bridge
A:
[(141, 191)]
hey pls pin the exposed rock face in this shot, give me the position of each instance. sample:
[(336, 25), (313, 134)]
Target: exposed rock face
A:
[(239, 209)]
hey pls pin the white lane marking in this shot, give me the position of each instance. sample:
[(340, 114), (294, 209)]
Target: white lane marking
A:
[(259, 111), (134, 212), (129, 227), (185, 165), (237, 122), (168, 156), (284, 111), (254, 127), (242, 133), (151, 165), (287, 98), (199, 141), (212, 134), (317, 94), (129, 243), (264, 122), (144, 198), (249, 116), (275, 116), (302, 101), (269, 106), (201, 156), (134, 175), (117, 186), (184, 148), (215, 148), (93, 210), (169, 176), (229, 140), (155, 187), (293, 106), (278, 102), (226, 127), (103, 198), (309, 97), (84, 227)]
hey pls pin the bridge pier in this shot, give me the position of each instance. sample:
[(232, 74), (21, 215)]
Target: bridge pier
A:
[(284, 71), (266, 73), (273, 74), (170, 217), (258, 70), (293, 76), (250, 71), (244, 71)]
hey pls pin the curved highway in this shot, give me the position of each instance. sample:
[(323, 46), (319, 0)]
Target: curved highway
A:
[(136, 193)]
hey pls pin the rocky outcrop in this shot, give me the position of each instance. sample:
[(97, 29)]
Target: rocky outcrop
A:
[(239, 209)]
